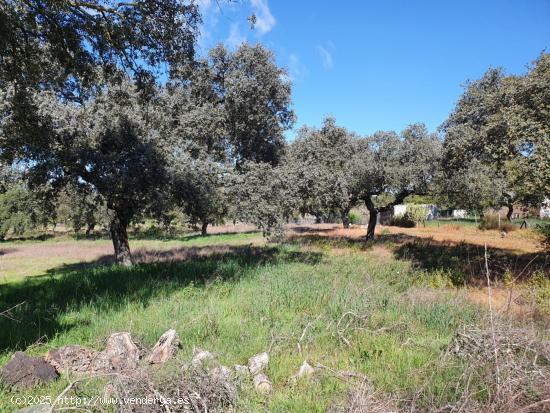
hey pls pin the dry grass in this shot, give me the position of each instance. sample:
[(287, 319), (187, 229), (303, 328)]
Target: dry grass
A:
[(520, 241)]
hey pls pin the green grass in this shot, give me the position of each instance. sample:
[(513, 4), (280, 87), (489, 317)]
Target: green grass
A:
[(243, 302), (462, 222), (14, 269)]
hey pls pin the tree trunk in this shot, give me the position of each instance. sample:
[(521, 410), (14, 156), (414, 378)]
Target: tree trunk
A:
[(119, 235), (510, 212), (89, 230), (203, 228), (345, 218), (373, 218)]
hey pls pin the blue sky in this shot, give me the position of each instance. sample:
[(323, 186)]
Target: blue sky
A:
[(381, 65)]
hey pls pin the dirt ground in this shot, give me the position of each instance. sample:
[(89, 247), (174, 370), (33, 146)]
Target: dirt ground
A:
[(33, 258), (519, 241), (29, 258)]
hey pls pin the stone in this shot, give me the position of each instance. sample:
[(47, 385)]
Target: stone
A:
[(258, 363), (120, 354), (166, 347), (25, 371), (221, 372), (72, 359), (203, 359), (262, 384), (306, 371)]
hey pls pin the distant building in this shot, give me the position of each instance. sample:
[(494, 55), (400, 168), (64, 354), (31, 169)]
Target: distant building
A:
[(459, 213)]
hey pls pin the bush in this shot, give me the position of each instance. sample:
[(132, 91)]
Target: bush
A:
[(354, 217), (491, 221), (415, 215), (404, 221)]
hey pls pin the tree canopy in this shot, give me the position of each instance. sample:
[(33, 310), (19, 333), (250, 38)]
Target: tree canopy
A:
[(499, 131)]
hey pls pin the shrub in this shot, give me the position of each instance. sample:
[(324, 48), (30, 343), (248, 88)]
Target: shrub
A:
[(544, 230), (402, 221), (354, 217), (491, 221), (414, 215)]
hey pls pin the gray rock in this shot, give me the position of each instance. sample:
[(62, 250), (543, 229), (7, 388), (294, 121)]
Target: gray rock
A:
[(306, 371), (25, 371), (72, 359), (166, 347), (262, 384), (204, 359), (120, 354), (258, 363)]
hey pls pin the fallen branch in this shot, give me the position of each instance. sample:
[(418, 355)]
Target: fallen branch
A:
[(6, 313), (308, 325)]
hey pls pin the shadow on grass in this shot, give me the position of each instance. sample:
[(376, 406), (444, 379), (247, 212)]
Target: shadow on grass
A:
[(70, 287), (310, 230), (465, 261), (30, 238)]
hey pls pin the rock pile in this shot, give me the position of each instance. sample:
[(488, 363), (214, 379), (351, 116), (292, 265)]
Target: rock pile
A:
[(25, 371), (122, 355)]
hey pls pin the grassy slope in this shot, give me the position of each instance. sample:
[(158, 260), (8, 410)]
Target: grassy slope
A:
[(243, 303)]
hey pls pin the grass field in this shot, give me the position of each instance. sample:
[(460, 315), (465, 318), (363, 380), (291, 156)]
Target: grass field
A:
[(382, 310)]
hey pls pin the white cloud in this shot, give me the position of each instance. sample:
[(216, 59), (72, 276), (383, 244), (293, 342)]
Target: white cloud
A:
[(264, 19), (296, 69), (235, 37), (326, 56)]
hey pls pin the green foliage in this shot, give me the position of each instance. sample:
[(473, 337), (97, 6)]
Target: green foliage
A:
[(474, 187), (544, 230), (496, 140), (319, 159), (22, 210), (264, 195), (413, 216), (539, 286), (354, 217), (420, 199), (80, 208), (198, 186), (403, 221), (72, 43), (416, 213), (492, 221)]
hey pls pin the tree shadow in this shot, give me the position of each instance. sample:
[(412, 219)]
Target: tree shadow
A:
[(343, 241), (467, 261), (162, 236), (109, 287), (464, 261), (310, 230), (41, 237)]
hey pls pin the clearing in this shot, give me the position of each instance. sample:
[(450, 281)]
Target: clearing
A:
[(387, 311)]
